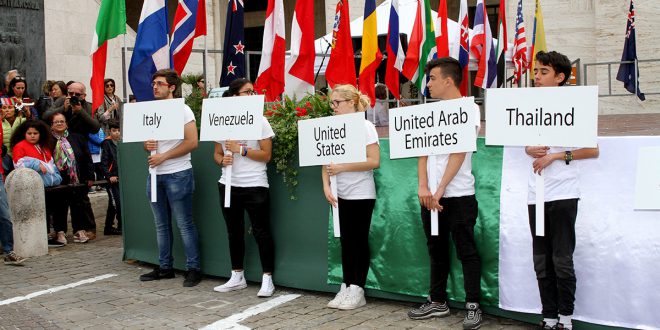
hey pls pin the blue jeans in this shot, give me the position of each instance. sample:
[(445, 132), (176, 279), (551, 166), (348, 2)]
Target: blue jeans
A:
[(175, 192), (6, 228)]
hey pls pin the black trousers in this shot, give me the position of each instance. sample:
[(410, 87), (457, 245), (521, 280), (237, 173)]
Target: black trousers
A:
[(553, 256), (458, 217), (114, 206), (354, 224), (256, 202), (76, 199)]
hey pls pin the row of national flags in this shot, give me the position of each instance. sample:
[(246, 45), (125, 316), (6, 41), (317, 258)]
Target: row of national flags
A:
[(156, 47)]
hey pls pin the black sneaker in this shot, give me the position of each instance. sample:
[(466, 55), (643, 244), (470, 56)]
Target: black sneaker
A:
[(192, 278), (428, 310), (54, 243), (157, 274), (472, 316)]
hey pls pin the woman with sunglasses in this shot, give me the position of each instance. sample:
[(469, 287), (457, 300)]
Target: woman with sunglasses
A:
[(18, 91), (112, 107), (249, 193), (356, 198)]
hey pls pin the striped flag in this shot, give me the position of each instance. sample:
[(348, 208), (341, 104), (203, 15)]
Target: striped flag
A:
[(189, 23), (270, 79), (460, 51), (151, 52), (441, 33), (233, 58), (520, 59), (110, 23), (341, 66), (502, 45), (371, 56), (299, 79), (538, 39), (395, 56), (420, 46), (482, 49)]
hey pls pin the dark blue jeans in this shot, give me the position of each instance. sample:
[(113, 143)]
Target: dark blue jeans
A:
[(6, 228), (174, 194)]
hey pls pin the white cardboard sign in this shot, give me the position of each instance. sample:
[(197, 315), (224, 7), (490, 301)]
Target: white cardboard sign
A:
[(232, 118), (647, 187), (547, 116), (153, 120), (336, 139), (436, 128)]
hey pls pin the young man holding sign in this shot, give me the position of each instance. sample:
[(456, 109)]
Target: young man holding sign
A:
[(456, 202), (174, 189), (553, 253)]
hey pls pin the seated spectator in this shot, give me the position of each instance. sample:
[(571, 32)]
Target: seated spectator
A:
[(112, 107), (110, 168), (74, 162)]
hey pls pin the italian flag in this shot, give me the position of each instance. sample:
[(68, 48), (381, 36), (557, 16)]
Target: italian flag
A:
[(110, 23)]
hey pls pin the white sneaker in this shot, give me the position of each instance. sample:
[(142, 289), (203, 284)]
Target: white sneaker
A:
[(236, 282), (354, 298), (334, 303), (267, 287)]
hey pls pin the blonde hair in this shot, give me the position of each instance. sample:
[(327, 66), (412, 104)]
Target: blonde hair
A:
[(349, 92)]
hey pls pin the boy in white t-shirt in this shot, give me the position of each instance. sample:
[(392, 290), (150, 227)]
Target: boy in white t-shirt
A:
[(455, 200), (553, 253)]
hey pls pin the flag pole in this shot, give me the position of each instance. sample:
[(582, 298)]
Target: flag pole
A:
[(205, 54), (123, 69)]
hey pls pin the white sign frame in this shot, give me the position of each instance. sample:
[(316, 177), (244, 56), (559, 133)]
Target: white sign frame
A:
[(465, 134), (354, 141), (169, 126), (647, 183), (232, 109), (573, 105)]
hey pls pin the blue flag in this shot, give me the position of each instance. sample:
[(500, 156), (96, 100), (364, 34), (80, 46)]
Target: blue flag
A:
[(151, 52), (628, 72), (233, 61)]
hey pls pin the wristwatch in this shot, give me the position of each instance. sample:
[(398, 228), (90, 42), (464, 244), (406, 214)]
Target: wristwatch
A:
[(568, 157)]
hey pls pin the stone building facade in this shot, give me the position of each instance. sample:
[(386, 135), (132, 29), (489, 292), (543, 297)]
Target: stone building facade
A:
[(589, 30)]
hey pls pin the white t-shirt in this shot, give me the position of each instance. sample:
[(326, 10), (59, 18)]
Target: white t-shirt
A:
[(245, 171), (463, 182), (359, 185), (561, 180), (180, 163)]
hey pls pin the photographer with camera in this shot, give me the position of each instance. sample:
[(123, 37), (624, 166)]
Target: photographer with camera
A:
[(76, 110)]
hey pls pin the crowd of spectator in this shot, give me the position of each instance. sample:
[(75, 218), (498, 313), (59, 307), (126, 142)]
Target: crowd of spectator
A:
[(71, 146)]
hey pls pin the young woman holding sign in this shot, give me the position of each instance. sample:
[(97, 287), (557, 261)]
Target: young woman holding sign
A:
[(249, 193), (356, 197)]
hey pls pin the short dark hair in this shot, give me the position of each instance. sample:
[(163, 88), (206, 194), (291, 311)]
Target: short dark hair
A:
[(449, 67), (171, 77), (236, 85), (558, 61), (381, 91), (40, 126), (113, 123)]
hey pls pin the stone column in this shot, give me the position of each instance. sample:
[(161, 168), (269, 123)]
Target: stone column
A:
[(25, 194)]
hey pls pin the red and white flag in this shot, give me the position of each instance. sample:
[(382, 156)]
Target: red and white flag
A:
[(299, 74), (520, 60), (441, 32), (270, 79)]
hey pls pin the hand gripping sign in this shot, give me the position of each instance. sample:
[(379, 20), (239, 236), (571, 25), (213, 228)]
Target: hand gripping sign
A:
[(153, 120), (432, 129), (547, 116), (338, 140), (231, 118)]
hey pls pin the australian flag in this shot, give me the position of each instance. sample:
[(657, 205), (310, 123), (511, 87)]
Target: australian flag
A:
[(628, 72), (233, 61)]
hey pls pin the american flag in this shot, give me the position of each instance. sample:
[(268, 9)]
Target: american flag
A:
[(520, 46)]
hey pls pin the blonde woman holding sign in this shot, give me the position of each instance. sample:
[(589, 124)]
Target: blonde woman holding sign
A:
[(356, 197), (249, 193)]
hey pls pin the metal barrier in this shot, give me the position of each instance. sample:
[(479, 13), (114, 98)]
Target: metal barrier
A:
[(609, 75)]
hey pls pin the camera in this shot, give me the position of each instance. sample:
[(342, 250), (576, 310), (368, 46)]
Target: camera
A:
[(74, 100)]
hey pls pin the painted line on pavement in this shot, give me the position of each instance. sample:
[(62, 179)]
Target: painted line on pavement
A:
[(55, 289), (231, 322)]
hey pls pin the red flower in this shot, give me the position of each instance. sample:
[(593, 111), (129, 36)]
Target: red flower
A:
[(301, 112), (308, 105), (269, 113)]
